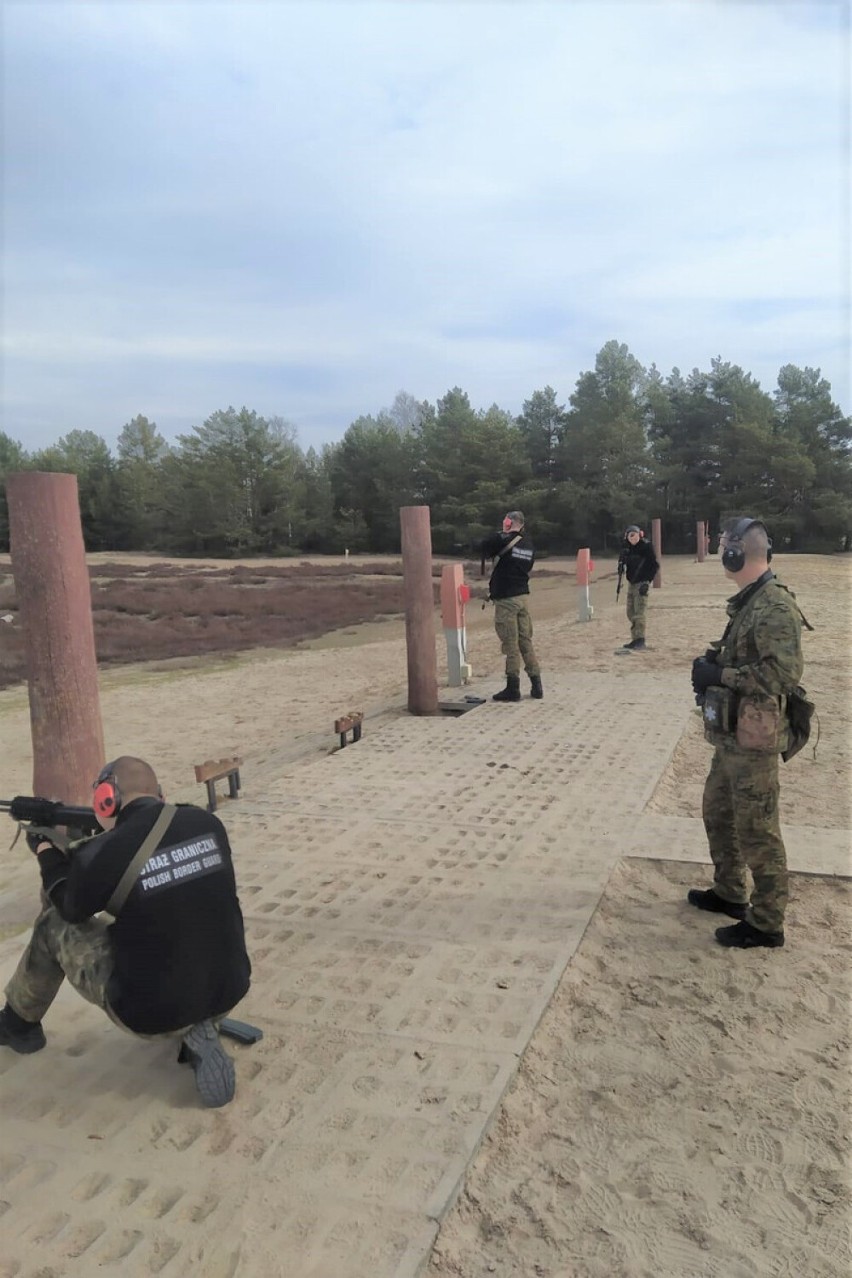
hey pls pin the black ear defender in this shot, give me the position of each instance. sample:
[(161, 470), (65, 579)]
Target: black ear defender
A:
[(106, 799), (733, 556)]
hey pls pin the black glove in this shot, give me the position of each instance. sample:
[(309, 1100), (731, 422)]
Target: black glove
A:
[(705, 674), (35, 840), (710, 655), (644, 588)]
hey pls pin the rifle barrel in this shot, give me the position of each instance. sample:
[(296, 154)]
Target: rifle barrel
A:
[(32, 810)]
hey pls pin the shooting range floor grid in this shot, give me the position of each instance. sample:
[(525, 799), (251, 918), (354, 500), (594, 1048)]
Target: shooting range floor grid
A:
[(406, 940)]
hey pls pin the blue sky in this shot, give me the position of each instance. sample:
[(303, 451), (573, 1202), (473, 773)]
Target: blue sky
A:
[(307, 207)]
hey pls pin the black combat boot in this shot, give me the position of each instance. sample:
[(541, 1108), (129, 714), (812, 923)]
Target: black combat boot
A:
[(214, 1069), (629, 646), (512, 690), (708, 900), (536, 689), (638, 645), (22, 1036), (743, 936)]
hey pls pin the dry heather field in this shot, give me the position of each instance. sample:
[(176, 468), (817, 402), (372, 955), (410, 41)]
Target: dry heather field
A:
[(152, 610), (149, 611)]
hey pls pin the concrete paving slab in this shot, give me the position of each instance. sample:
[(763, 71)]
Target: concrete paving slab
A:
[(809, 849), (411, 904)]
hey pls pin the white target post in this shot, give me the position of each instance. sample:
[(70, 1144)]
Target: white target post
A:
[(585, 568), (454, 595)]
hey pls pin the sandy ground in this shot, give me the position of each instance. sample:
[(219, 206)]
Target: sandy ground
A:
[(676, 1113), (674, 1116)]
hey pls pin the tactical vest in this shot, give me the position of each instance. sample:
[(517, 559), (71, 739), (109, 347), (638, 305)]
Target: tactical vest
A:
[(739, 648)]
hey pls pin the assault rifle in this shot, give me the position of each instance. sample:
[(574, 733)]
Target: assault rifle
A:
[(621, 567), (45, 814)]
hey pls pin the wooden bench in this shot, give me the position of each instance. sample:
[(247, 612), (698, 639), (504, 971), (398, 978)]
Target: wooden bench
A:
[(213, 770), (350, 722)]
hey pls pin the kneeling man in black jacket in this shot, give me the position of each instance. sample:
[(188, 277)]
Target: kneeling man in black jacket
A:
[(172, 959)]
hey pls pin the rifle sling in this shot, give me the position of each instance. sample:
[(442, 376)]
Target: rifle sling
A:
[(134, 869), (508, 546), (500, 553)]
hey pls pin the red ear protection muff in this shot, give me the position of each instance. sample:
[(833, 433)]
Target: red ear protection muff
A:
[(106, 797), (507, 524), (733, 556)]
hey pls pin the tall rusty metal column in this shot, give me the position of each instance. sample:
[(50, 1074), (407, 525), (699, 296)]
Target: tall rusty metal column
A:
[(419, 609), (700, 540), (55, 602), (657, 541)]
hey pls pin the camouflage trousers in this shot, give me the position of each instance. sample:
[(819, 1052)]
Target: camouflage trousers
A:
[(79, 951), (514, 627), (740, 811), (637, 611)]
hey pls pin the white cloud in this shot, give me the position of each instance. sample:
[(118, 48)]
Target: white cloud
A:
[(305, 206)]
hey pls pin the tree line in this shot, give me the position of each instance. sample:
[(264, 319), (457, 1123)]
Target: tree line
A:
[(629, 445)]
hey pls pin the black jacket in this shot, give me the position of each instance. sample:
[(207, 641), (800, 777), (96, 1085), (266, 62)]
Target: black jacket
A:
[(178, 943), (639, 561), (511, 572)]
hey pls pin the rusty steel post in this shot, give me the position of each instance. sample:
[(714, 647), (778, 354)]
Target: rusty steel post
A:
[(657, 541), (700, 539), (55, 603), (419, 609)]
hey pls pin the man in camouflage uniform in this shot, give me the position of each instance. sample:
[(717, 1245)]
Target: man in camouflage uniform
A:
[(760, 659)]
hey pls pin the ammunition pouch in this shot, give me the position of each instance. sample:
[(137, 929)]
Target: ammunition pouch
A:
[(719, 712), (760, 724), (756, 722)]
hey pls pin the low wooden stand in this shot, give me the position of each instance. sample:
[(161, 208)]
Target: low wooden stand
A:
[(349, 723), (213, 770)]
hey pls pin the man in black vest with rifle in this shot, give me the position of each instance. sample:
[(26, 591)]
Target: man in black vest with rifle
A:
[(513, 556), (173, 958), (639, 562)]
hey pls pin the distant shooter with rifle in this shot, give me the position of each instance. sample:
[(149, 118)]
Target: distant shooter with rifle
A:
[(172, 958), (638, 563), (513, 555)]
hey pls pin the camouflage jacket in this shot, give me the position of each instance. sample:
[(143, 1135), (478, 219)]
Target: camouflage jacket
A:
[(761, 650)]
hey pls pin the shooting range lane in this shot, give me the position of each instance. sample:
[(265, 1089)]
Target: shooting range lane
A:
[(411, 905)]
